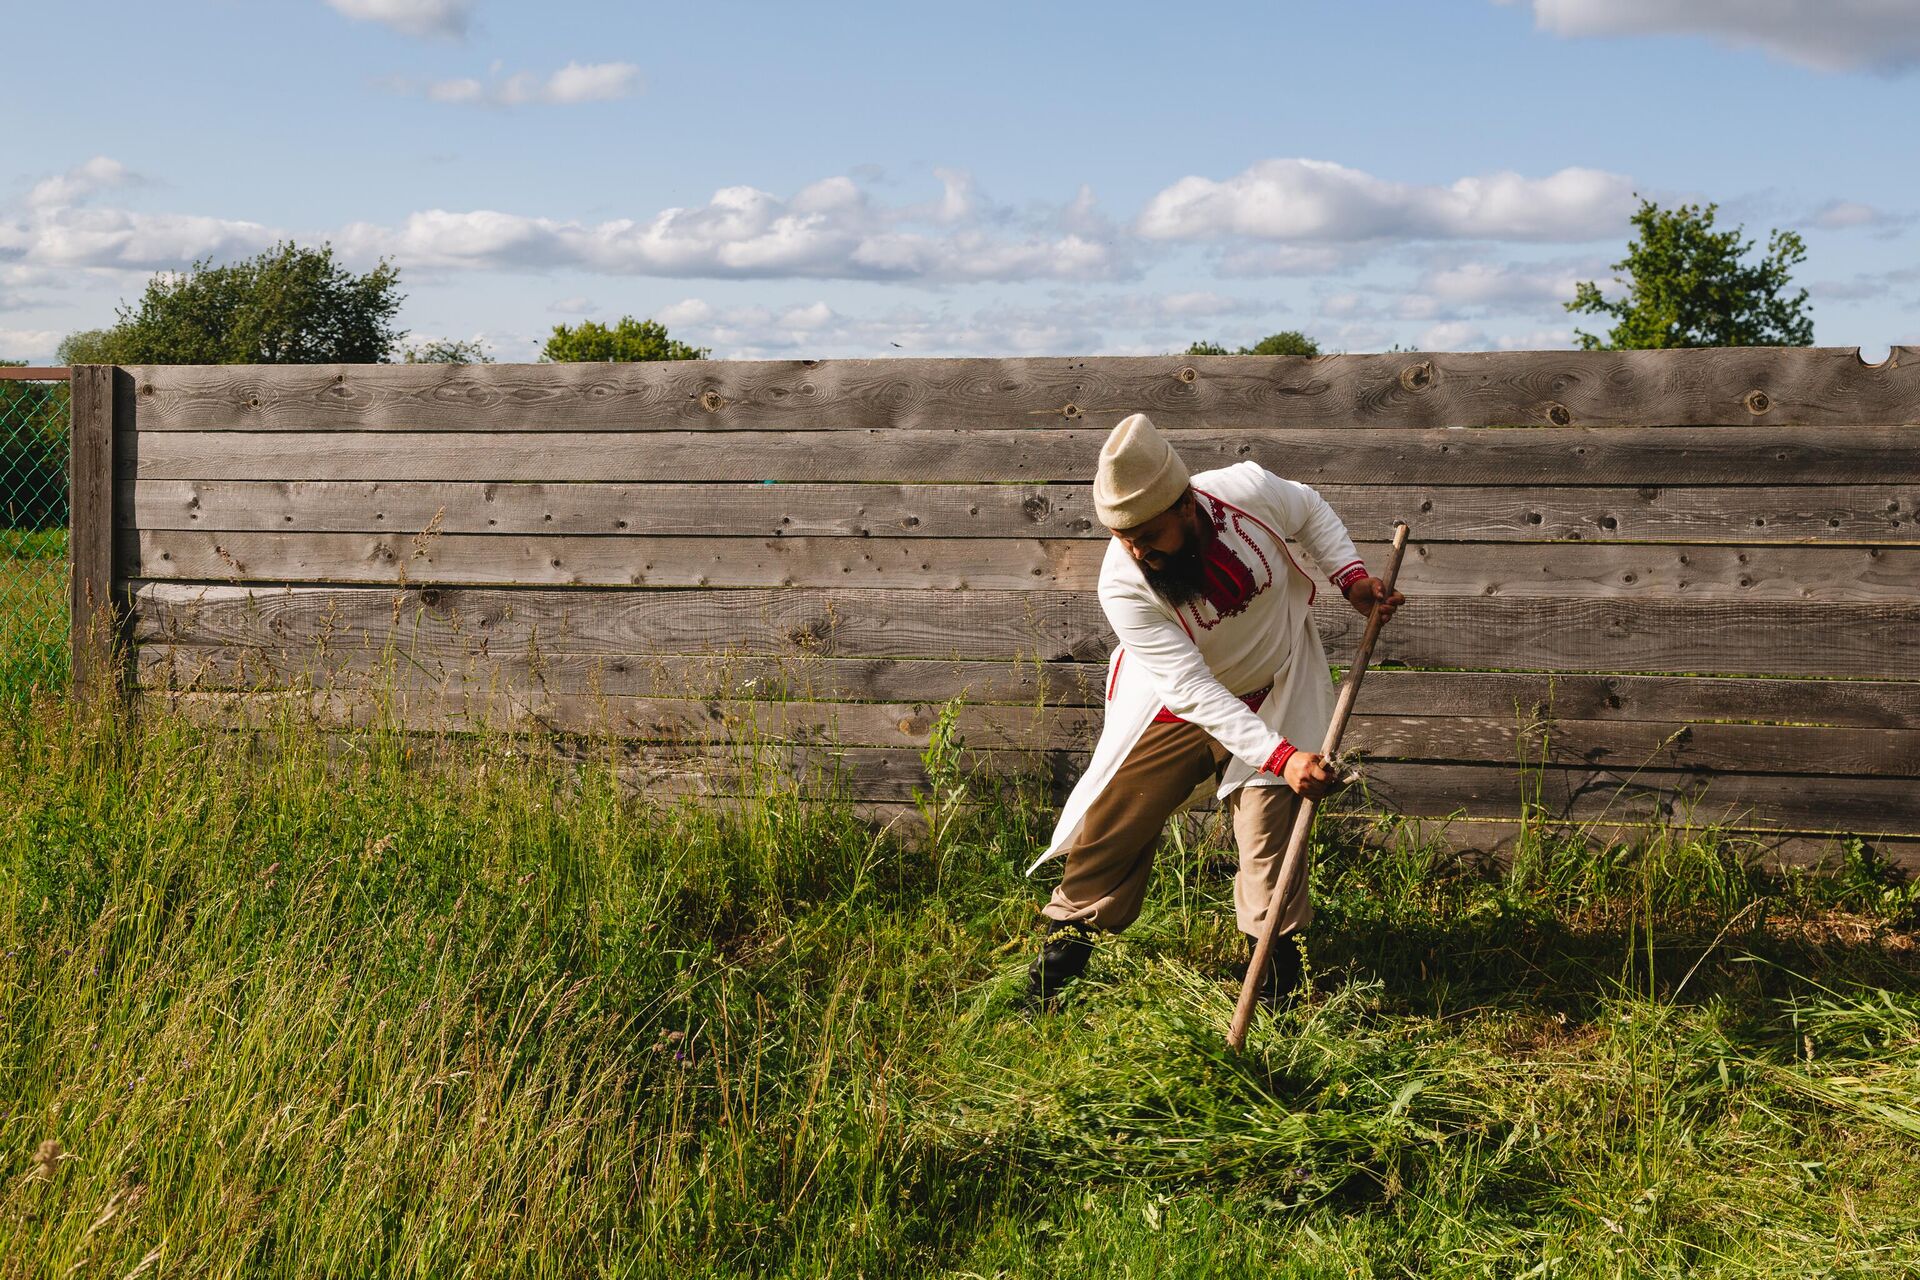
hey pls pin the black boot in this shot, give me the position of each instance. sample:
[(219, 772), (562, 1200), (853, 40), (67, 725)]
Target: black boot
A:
[(1281, 986), (1063, 954)]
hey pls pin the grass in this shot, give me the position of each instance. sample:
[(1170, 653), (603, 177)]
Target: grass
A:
[(274, 1005), (33, 613)]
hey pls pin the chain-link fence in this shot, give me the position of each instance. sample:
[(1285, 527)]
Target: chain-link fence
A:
[(33, 537)]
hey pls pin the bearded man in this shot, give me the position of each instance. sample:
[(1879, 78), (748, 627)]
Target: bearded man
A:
[(1219, 681)]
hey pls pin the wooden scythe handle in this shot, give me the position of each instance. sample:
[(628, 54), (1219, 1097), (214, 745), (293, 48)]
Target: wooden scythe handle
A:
[(1295, 859)]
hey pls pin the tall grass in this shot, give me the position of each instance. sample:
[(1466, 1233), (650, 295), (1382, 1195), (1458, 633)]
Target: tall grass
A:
[(33, 614), (289, 1003)]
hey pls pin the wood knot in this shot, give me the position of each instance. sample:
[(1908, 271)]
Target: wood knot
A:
[(147, 390), (1559, 415), (1070, 410), (1758, 402), (1036, 508), (710, 401), (1187, 373), (430, 596), (1417, 377)]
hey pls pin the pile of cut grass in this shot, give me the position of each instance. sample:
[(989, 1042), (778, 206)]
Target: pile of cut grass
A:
[(371, 1005)]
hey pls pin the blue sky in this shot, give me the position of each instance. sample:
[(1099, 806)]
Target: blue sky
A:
[(1038, 179)]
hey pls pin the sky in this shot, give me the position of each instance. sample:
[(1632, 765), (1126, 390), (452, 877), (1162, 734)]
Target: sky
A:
[(846, 180)]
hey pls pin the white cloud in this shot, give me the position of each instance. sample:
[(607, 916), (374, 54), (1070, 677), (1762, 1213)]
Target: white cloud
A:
[(576, 82), (1465, 293), (1453, 335), (1497, 284), (829, 229), (1287, 260), (32, 345), (1073, 322), (411, 17), (1321, 201), (1864, 285), (1547, 339), (1852, 215), (1827, 35), (80, 182), (571, 306)]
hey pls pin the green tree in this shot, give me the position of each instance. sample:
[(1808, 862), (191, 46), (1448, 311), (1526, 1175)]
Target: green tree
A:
[(1288, 342), (87, 346), (289, 305), (1689, 287), (448, 351), (630, 339)]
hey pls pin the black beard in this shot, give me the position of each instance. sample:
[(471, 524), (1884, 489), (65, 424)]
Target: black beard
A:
[(1180, 579)]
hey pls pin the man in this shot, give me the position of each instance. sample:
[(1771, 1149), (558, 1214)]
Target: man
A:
[(1219, 680)]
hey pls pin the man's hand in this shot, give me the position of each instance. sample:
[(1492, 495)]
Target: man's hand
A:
[(1306, 772), (1363, 592)]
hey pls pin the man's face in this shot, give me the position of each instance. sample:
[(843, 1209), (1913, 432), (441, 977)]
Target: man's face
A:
[(1167, 548)]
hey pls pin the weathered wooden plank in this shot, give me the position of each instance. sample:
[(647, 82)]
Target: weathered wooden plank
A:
[(1479, 841), (1497, 840), (1031, 683), (1007, 564), (1494, 633), (1740, 800), (1760, 455), (1795, 802), (1396, 691), (95, 618), (1815, 386), (1882, 514), (1599, 570), (1622, 745)]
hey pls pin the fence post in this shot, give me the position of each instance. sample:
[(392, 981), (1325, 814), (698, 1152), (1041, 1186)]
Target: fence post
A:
[(95, 624)]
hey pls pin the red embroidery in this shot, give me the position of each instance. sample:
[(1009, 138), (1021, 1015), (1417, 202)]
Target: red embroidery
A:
[(1279, 541), (1253, 701), (1229, 585), (1277, 762), (1347, 574)]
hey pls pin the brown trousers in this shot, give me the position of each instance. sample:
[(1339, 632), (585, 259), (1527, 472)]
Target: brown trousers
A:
[(1104, 880)]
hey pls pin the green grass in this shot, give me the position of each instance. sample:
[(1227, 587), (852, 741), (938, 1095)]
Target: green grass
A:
[(276, 1006), (33, 613)]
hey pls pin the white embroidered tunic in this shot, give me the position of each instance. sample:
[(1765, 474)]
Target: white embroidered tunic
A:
[(1200, 661)]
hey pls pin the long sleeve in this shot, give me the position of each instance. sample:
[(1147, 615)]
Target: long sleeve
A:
[(1306, 517), (1154, 638)]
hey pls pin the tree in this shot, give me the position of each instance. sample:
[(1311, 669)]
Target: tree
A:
[(287, 306), (1689, 288), (87, 346), (1288, 342), (448, 351), (629, 339)]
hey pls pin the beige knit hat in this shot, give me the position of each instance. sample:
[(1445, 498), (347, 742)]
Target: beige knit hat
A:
[(1138, 476)]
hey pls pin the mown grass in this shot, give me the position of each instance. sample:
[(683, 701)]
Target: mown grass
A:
[(279, 1005)]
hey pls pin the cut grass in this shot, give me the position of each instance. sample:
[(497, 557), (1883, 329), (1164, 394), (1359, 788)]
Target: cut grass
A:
[(286, 1005)]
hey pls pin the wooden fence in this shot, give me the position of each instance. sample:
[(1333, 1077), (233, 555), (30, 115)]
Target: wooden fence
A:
[(1698, 569)]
